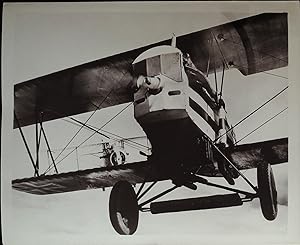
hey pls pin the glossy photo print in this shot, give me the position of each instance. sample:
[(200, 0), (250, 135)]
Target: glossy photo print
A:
[(147, 123)]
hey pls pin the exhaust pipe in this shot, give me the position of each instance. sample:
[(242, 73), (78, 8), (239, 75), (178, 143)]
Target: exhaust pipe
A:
[(217, 201)]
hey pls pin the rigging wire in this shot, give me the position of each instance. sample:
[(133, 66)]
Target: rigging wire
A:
[(208, 62), (116, 139), (222, 81), (224, 62), (95, 129), (268, 73), (215, 71), (250, 114), (127, 141), (48, 169), (78, 125), (276, 75), (78, 131), (85, 125), (224, 59), (267, 121), (97, 108), (270, 119)]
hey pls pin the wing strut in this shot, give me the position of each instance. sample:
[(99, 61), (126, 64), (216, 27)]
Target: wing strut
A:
[(48, 146), (38, 136), (36, 172), (156, 197), (234, 167), (83, 142)]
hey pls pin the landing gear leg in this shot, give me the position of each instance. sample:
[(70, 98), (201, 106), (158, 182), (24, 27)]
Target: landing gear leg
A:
[(267, 191), (123, 208), (222, 166)]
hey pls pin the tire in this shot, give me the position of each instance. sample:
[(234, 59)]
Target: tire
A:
[(113, 158), (267, 191), (123, 208)]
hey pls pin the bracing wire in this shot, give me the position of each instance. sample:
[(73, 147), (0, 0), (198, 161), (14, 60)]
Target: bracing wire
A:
[(267, 121), (86, 125), (215, 71), (250, 114), (48, 169), (224, 59), (268, 73), (208, 62), (93, 128), (259, 128), (127, 141), (78, 131), (276, 75), (97, 108), (222, 81), (224, 62)]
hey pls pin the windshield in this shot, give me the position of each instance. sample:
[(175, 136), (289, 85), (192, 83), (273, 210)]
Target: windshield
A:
[(166, 64)]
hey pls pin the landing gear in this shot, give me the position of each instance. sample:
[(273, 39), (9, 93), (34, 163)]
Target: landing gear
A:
[(267, 191), (123, 208), (225, 169)]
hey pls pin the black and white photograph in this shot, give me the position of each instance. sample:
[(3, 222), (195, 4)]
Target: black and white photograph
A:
[(150, 123)]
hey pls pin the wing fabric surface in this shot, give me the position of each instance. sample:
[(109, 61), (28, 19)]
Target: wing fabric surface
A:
[(86, 179), (102, 83), (252, 45), (251, 155)]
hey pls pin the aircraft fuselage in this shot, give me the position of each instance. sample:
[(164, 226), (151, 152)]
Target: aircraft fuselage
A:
[(177, 112)]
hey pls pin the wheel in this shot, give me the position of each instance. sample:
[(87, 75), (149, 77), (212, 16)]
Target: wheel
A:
[(123, 208), (267, 191), (117, 158)]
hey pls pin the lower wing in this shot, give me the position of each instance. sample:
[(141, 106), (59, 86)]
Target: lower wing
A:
[(251, 155), (243, 156)]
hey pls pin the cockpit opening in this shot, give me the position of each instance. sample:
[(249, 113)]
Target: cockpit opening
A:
[(168, 65)]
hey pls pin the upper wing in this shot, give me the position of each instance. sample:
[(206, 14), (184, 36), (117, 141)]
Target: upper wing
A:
[(251, 155), (76, 90), (87, 179), (252, 45)]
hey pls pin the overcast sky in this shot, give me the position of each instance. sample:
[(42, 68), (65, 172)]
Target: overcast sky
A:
[(40, 39)]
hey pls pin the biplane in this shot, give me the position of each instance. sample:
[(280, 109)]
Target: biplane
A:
[(113, 154), (183, 117), (114, 151)]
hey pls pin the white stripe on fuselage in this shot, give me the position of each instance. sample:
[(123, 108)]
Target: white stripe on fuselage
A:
[(201, 102)]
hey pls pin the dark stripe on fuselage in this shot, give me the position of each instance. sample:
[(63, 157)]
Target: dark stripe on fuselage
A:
[(200, 111), (199, 90)]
